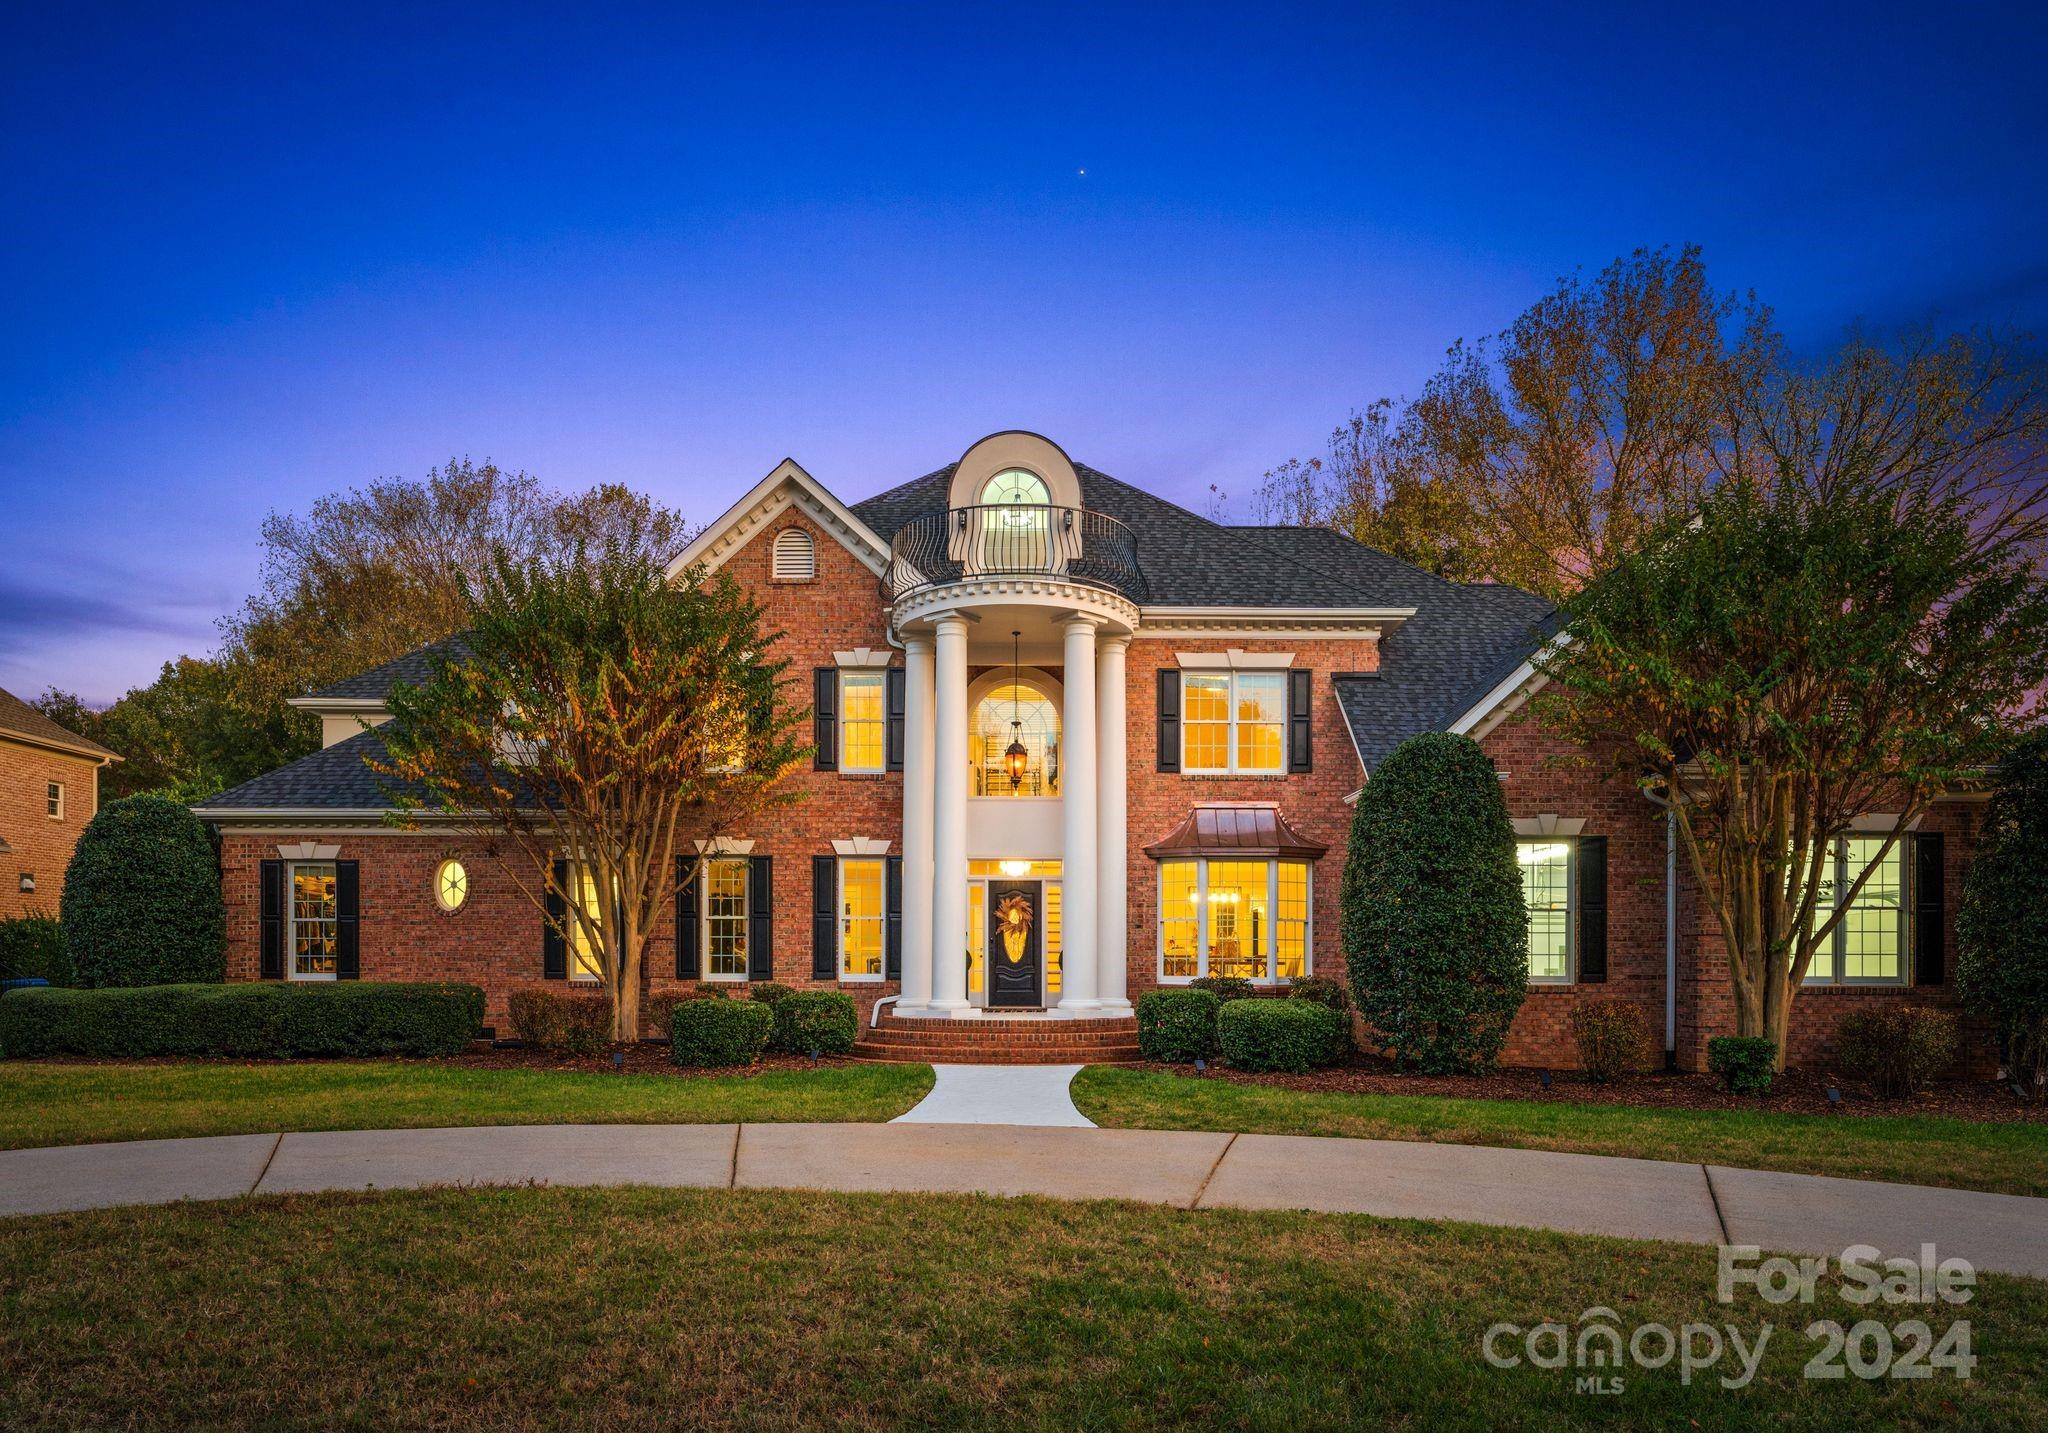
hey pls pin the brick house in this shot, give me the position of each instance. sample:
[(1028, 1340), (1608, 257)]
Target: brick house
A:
[(49, 789), (1108, 743)]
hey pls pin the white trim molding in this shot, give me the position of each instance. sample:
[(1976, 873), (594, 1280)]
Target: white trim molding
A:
[(725, 846), (860, 846), (787, 486), (1234, 659), (1550, 824), (862, 657), (308, 851), (1880, 823), (1364, 624)]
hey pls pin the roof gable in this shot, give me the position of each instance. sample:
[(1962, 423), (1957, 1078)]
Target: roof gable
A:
[(788, 485), (21, 722)]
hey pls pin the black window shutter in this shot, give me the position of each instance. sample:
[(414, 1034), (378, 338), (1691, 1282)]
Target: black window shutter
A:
[(825, 718), (554, 943), (270, 920), (761, 918), (824, 918), (895, 684), (1299, 700), (1930, 910), (689, 965), (347, 928), (892, 938), (1169, 719), (1593, 909)]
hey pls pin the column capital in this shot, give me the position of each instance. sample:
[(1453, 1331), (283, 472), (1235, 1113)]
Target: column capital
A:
[(1113, 641), (916, 642), (1082, 619)]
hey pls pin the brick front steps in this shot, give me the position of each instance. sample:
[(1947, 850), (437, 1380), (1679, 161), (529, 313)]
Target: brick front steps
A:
[(999, 1042)]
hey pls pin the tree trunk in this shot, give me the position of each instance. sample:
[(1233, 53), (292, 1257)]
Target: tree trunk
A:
[(626, 999), (1777, 1012)]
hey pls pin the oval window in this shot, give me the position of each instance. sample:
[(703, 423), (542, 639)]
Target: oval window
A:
[(451, 885)]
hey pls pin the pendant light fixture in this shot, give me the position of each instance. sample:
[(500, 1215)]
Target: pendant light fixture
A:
[(1015, 758)]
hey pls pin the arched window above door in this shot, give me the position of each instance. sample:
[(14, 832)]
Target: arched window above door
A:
[(1021, 709)]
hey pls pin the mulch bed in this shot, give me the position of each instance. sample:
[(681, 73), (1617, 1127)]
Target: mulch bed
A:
[(1793, 1092)]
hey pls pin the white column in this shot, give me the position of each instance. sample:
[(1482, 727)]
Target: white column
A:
[(918, 696), (1112, 846), (1078, 818), (949, 821)]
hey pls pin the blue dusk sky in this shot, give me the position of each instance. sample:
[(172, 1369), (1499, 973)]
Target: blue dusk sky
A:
[(250, 258)]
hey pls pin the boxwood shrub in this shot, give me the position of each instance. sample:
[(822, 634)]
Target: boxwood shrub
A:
[(1899, 1049), (821, 1020), (768, 991), (1747, 1062), (142, 903), (32, 948), (264, 1021), (568, 1022), (1292, 1036), (719, 1032), (1177, 1027), (1226, 987)]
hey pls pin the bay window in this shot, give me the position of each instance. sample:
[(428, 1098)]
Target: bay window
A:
[(1247, 918)]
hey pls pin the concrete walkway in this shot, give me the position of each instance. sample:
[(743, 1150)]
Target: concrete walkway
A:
[(1577, 1193), (1000, 1095)]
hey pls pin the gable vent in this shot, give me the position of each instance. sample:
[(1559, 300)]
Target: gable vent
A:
[(796, 560)]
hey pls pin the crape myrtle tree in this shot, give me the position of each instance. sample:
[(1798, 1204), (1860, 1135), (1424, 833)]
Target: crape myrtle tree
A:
[(2002, 927), (604, 716), (1792, 656), (1434, 926)]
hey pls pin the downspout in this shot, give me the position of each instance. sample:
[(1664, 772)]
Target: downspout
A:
[(1670, 930)]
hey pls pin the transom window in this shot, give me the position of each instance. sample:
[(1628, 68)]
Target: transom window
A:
[(1869, 946), (1547, 891), (863, 711), (725, 919), (1241, 918), (1038, 728), (861, 911), (1016, 485), (316, 921), (1234, 721)]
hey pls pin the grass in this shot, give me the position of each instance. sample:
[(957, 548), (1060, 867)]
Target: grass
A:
[(1911, 1149), (635, 1307), (44, 1104)]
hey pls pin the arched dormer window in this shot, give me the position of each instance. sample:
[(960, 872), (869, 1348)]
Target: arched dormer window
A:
[(1016, 485), (795, 558)]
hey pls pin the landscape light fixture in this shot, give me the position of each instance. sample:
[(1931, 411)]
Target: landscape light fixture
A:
[(1015, 757), (1544, 1076), (1834, 1097)]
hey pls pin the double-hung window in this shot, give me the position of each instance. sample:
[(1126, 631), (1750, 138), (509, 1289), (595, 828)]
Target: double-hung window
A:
[(863, 711), (862, 908), (1546, 867), (586, 956), (1868, 946), (725, 919), (53, 799), (1234, 721), (1241, 918), (315, 921)]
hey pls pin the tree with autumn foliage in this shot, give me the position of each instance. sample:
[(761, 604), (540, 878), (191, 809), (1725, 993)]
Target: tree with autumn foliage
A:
[(605, 716)]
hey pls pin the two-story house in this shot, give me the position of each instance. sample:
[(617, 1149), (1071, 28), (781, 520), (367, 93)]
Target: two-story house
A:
[(49, 789), (1072, 742)]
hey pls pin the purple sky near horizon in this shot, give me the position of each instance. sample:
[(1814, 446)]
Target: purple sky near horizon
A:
[(247, 260)]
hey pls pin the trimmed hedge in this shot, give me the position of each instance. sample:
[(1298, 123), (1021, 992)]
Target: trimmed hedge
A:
[(1177, 1027), (2002, 922), (719, 1032), (142, 902), (569, 1022), (1747, 1062), (821, 1020), (33, 948), (266, 1021), (768, 991), (1320, 989), (1226, 987), (1291, 1036), (1900, 1049)]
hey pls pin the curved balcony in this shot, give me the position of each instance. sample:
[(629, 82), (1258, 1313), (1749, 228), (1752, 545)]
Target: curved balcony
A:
[(1013, 540)]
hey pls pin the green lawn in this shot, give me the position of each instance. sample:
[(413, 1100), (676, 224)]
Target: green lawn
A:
[(1911, 1149), (636, 1307), (76, 1104)]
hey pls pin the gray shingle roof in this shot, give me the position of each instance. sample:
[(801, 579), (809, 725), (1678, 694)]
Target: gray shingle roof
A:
[(334, 778), (414, 667)]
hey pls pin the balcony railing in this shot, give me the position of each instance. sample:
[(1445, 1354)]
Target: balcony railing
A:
[(1013, 540)]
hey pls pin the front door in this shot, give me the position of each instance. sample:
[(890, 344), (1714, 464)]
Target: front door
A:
[(1015, 912)]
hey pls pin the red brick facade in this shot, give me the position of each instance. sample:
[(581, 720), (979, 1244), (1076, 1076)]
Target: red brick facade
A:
[(39, 844), (495, 940)]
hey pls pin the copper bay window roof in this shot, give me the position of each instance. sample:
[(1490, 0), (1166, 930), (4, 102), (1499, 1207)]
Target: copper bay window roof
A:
[(1236, 831)]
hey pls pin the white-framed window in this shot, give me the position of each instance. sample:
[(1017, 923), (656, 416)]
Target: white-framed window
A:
[(863, 898), (1548, 867), (451, 885), (315, 921), (1225, 917), (53, 798), (586, 956), (795, 556), (863, 713), (1020, 711), (1868, 947), (724, 914), (1233, 722)]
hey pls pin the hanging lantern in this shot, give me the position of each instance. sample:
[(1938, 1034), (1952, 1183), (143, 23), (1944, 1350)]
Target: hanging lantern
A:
[(1015, 757)]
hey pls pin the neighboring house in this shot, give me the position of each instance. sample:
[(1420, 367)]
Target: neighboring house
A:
[(1104, 742), (49, 789)]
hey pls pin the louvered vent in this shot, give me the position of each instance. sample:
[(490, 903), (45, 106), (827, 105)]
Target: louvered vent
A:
[(796, 560)]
